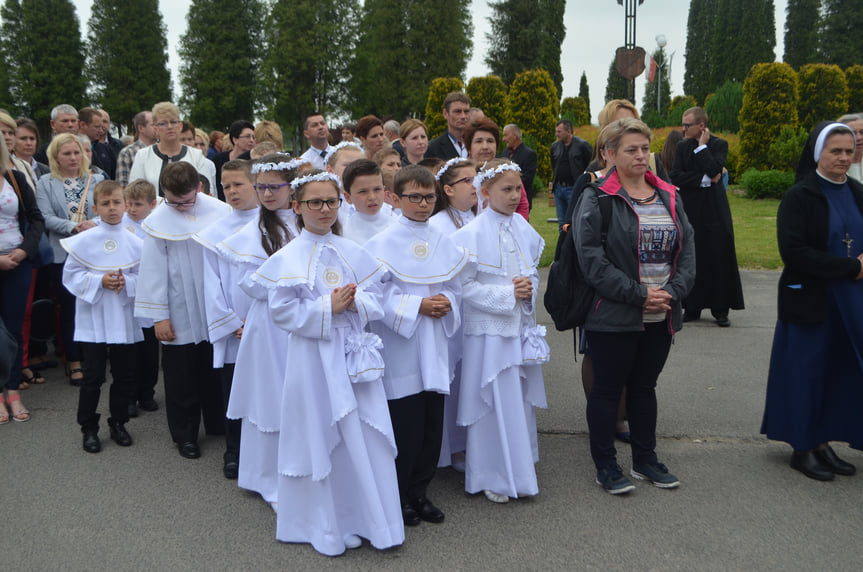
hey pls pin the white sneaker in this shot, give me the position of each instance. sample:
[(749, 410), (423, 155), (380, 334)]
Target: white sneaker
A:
[(494, 497), (352, 541)]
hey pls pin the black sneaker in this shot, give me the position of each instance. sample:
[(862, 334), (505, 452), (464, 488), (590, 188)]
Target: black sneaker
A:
[(657, 473), (612, 480)]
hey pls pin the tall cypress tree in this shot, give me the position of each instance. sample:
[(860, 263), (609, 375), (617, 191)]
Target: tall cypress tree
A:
[(526, 34), (584, 90), (744, 35), (403, 45), (802, 21), (221, 51), (296, 79), (616, 85), (699, 42), (841, 41), (127, 57), (44, 56)]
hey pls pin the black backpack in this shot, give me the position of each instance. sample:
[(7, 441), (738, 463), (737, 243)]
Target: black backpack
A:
[(568, 295)]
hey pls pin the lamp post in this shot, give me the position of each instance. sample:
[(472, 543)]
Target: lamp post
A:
[(661, 42)]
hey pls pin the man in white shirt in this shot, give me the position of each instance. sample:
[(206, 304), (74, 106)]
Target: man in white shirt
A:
[(315, 130)]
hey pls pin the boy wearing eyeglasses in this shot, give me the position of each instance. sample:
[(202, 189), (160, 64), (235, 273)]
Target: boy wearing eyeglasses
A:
[(171, 293), (226, 306), (363, 186), (421, 312)]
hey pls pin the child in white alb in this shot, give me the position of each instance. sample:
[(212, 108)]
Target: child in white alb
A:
[(503, 347), (364, 188)]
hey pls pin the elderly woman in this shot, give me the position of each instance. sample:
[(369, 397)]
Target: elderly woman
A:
[(813, 387), (640, 273), (65, 198), (150, 161), (21, 225), (415, 141), (482, 139)]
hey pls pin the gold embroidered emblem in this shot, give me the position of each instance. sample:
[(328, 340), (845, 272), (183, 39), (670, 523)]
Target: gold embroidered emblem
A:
[(110, 246), (332, 277), (420, 250)]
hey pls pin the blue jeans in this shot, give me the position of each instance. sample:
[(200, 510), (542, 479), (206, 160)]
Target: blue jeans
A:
[(562, 195)]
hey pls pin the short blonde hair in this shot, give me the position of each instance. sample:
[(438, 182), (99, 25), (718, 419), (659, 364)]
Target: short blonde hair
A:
[(606, 116), (203, 135), (140, 189), (7, 120), (269, 131), (4, 157), (107, 187), (617, 129), (165, 109), (54, 150)]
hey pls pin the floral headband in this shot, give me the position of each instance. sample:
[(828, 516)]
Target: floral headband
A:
[(258, 168), (445, 167), (344, 144), (484, 176), (299, 182)]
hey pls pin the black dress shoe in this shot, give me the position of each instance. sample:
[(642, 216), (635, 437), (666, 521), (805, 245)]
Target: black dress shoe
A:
[(723, 321), (410, 515), (807, 463), (148, 405), (231, 470), (133, 410), (427, 511), (119, 434), (189, 450), (91, 442), (830, 459)]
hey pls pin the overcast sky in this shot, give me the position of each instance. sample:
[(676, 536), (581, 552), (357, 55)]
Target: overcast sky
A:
[(594, 29)]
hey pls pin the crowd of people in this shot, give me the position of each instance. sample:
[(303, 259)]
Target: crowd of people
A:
[(354, 317)]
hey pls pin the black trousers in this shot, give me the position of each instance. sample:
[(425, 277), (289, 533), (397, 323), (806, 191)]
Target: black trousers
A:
[(96, 356), (232, 426), (418, 427), (192, 390), (632, 360), (147, 373)]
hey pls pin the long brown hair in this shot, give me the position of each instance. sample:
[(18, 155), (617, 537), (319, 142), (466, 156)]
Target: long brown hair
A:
[(274, 232)]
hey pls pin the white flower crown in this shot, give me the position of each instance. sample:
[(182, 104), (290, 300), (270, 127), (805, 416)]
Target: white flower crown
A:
[(323, 176), (344, 144), (483, 176), (445, 167), (258, 168)]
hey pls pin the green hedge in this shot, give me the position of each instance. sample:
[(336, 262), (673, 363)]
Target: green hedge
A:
[(766, 184)]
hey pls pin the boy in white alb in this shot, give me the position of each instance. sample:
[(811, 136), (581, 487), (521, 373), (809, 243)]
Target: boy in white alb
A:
[(172, 294), (140, 197), (421, 311), (102, 272), (364, 188), (225, 304)]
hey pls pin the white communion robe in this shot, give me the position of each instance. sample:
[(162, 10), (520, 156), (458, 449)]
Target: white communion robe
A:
[(171, 284), (103, 316), (503, 349), (421, 262), (336, 445), (454, 435), (259, 372), (225, 304), (361, 227)]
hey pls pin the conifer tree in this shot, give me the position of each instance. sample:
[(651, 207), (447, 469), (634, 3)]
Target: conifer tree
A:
[(584, 91), (660, 83), (841, 41), (127, 57), (699, 42), (221, 52), (616, 85), (802, 20)]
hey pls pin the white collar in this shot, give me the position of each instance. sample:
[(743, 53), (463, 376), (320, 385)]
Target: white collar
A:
[(104, 248), (168, 223)]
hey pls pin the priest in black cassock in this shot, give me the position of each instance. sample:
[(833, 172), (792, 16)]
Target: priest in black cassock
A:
[(697, 170)]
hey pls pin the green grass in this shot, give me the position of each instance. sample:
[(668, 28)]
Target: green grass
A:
[(754, 230)]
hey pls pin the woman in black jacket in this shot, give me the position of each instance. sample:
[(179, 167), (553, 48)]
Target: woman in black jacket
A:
[(814, 388), (21, 226)]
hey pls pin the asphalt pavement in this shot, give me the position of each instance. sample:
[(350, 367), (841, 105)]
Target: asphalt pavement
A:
[(739, 506)]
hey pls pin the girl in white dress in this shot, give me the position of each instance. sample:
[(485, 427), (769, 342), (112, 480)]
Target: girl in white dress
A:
[(503, 347), (256, 390), (337, 477), (456, 206)]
